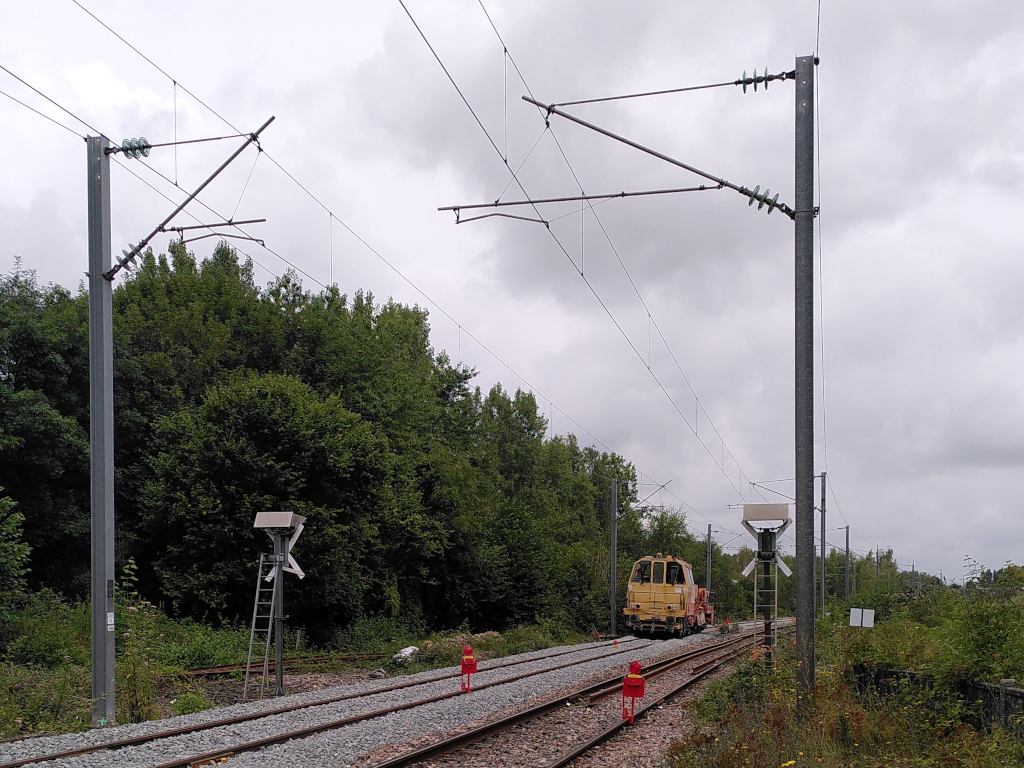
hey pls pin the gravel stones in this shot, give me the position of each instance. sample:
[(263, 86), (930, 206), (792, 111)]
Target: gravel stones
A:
[(343, 746)]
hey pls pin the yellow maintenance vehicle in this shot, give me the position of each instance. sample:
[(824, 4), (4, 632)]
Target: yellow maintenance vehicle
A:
[(663, 599)]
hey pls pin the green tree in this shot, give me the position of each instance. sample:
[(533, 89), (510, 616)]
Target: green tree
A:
[(271, 442), (13, 552)]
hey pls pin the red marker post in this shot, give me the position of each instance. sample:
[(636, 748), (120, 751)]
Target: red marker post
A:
[(632, 689), (468, 667)]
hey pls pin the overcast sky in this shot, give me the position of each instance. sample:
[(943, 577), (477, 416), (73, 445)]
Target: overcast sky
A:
[(921, 182)]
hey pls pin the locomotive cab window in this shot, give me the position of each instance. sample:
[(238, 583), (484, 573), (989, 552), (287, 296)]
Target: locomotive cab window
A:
[(674, 574), (689, 575), (642, 573), (659, 573)]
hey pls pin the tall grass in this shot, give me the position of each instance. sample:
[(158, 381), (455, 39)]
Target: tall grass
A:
[(750, 720)]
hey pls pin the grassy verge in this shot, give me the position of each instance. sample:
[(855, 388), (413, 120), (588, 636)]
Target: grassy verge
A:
[(45, 682), (750, 720)]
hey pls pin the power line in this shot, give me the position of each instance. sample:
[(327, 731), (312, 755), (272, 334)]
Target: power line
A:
[(636, 290), (381, 257), (59, 106), (332, 215), (41, 114)]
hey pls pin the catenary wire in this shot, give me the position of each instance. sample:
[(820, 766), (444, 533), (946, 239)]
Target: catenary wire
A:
[(619, 259), (312, 196), (693, 428), (42, 114), (380, 256)]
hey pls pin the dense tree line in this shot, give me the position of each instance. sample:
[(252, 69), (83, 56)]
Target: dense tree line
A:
[(426, 498)]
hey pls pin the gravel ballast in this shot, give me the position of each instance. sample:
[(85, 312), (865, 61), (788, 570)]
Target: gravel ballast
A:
[(364, 737), (345, 745)]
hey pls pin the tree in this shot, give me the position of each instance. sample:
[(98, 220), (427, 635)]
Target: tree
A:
[(270, 442), (13, 552)]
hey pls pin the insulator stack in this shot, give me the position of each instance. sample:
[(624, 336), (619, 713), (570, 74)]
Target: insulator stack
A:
[(128, 259), (135, 148), (762, 199), (765, 78)]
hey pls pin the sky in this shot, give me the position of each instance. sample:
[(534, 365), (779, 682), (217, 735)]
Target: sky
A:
[(660, 327)]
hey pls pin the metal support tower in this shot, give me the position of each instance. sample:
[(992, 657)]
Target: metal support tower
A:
[(847, 590), (101, 432), (709, 559), (614, 530), (804, 374), (824, 547)]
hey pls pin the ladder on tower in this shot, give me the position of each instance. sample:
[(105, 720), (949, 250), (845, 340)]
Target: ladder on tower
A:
[(262, 631), (766, 596)]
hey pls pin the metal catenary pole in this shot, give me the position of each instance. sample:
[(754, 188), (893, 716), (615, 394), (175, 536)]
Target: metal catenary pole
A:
[(709, 558), (615, 531), (101, 412), (847, 589), (101, 432), (823, 545), (804, 348)]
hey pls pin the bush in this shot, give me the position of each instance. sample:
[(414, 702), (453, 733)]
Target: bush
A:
[(49, 632), (192, 646), (33, 700), (750, 720), (191, 701), (378, 635)]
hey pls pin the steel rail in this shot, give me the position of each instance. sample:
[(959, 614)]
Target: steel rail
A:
[(611, 730), (482, 731), (334, 724), (133, 741), (228, 668), (698, 672)]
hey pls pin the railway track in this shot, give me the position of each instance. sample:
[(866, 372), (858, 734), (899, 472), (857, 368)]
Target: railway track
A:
[(227, 669), (549, 725), (338, 729), (593, 652)]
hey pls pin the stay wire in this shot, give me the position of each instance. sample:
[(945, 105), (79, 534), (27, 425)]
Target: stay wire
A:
[(625, 270), (246, 185)]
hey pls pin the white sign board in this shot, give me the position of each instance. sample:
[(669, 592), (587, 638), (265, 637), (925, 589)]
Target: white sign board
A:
[(862, 617), (765, 512)]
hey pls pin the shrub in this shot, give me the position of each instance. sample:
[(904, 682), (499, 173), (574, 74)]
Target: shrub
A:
[(49, 632), (191, 701), (192, 646)]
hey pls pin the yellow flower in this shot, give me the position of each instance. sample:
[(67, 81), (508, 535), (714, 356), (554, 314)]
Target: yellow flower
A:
[(788, 763)]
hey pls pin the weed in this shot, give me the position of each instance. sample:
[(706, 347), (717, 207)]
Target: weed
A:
[(189, 702)]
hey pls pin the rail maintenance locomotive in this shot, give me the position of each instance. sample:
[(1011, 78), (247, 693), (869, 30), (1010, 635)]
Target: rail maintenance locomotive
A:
[(663, 599)]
